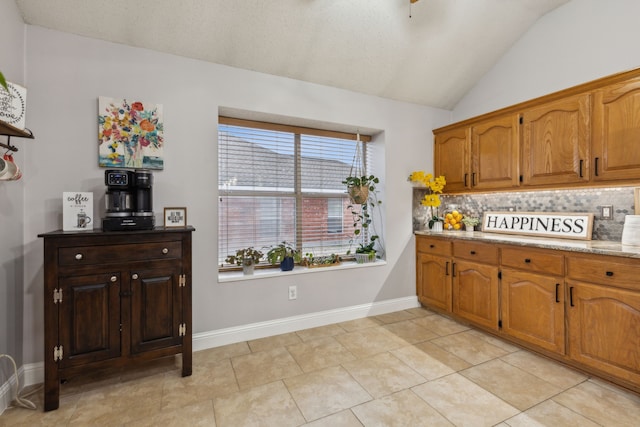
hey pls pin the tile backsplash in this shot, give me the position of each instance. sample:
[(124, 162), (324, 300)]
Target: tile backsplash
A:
[(583, 200)]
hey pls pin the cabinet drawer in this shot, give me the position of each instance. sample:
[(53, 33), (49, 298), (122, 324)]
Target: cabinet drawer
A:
[(106, 254), (475, 251), (536, 260), (622, 273), (433, 246)]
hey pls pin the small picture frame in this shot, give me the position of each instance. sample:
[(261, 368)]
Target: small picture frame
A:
[(175, 217)]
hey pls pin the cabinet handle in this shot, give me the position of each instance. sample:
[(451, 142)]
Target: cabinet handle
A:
[(472, 252), (473, 179), (134, 276), (114, 278), (432, 246), (571, 296), (79, 257), (466, 175), (453, 269), (609, 273), (165, 251), (595, 164), (581, 162), (527, 260), (557, 294), (446, 268)]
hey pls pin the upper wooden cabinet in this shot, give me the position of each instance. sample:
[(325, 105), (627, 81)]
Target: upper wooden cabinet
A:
[(556, 139), (583, 135), (451, 157), (616, 131), (495, 153)]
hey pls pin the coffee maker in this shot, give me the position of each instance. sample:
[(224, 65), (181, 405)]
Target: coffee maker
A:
[(129, 200)]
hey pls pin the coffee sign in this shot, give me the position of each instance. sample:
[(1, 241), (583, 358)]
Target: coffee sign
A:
[(541, 224)]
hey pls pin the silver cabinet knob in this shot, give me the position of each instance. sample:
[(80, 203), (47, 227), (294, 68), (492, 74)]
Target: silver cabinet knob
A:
[(114, 278), (78, 257), (165, 251), (135, 276)]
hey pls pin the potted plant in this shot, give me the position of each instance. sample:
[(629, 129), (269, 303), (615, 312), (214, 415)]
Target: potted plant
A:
[(285, 254), (247, 258), (358, 187), (365, 252), (313, 261), (470, 222), (434, 186)]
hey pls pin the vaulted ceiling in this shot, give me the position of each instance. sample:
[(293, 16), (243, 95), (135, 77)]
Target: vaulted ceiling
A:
[(430, 52)]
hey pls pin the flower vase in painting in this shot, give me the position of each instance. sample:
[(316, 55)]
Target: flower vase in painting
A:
[(130, 134)]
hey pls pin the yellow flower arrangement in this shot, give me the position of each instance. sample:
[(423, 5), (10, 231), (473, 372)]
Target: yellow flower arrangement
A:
[(434, 186)]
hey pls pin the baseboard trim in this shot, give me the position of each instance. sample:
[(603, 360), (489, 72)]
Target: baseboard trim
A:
[(217, 338)]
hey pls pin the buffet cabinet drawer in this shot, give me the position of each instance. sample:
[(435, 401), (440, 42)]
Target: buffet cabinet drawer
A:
[(534, 260), (89, 255), (485, 253), (613, 271), (433, 246)]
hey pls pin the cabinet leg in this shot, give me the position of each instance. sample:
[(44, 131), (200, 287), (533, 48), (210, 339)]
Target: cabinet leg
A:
[(51, 392)]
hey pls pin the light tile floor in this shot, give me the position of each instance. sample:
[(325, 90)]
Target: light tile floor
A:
[(408, 368)]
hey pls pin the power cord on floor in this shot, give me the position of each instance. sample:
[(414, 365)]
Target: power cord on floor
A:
[(20, 400)]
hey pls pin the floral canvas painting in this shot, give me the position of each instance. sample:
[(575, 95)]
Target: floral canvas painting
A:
[(130, 134)]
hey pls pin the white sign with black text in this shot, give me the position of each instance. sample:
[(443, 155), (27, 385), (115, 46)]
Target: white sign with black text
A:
[(543, 224), (77, 211)]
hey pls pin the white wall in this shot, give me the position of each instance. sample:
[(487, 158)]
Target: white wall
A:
[(581, 41), (67, 73), (11, 202)]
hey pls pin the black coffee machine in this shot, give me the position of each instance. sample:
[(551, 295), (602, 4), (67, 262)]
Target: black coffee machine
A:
[(129, 200)]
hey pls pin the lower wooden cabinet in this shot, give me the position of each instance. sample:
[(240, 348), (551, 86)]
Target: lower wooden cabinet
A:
[(533, 308), (581, 309), (114, 298), (475, 293)]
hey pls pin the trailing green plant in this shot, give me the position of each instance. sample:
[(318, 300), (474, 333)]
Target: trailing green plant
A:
[(311, 259), (283, 250), (368, 248), (362, 216), (359, 181), (247, 256)]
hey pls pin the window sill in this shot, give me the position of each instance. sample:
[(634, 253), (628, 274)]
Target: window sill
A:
[(233, 276)]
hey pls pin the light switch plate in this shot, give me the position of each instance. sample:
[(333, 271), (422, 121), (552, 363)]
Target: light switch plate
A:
[(606, 212)]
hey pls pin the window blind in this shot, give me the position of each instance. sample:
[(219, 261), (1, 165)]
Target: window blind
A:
[(277, 186)]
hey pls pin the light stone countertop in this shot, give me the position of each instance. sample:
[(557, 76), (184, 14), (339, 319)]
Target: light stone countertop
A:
[(601, 247)]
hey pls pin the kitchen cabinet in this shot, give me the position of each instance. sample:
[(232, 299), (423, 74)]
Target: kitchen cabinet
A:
[(114, 298), (433, 272), (616, 131), (556, 140), (604, 315), (495, 153), (475, 283), (582, 309), (583, 135), (451, 157), (532, 290)]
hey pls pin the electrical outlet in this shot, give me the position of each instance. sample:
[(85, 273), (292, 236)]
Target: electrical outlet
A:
[(606, 212), (293, 292)]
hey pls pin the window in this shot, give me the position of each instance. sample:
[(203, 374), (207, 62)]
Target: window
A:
[(279, 183)]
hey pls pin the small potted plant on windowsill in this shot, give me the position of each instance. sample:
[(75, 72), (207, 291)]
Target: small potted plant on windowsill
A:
[(366, 253), (312, 261), (285, 254), (246, 258)]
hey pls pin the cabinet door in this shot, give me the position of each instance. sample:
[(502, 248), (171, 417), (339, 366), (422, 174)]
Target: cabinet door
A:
[(451, 158), (495, 154), (616, 131), (532, 308), (604, 329), (156, 309), (89, 314), (434, 281), (475, 292), (556, 140)]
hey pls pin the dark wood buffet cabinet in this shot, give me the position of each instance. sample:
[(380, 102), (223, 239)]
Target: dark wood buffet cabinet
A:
[(582, 309), (114, 298)]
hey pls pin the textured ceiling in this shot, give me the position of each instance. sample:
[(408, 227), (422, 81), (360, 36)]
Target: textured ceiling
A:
[(368, 46)]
